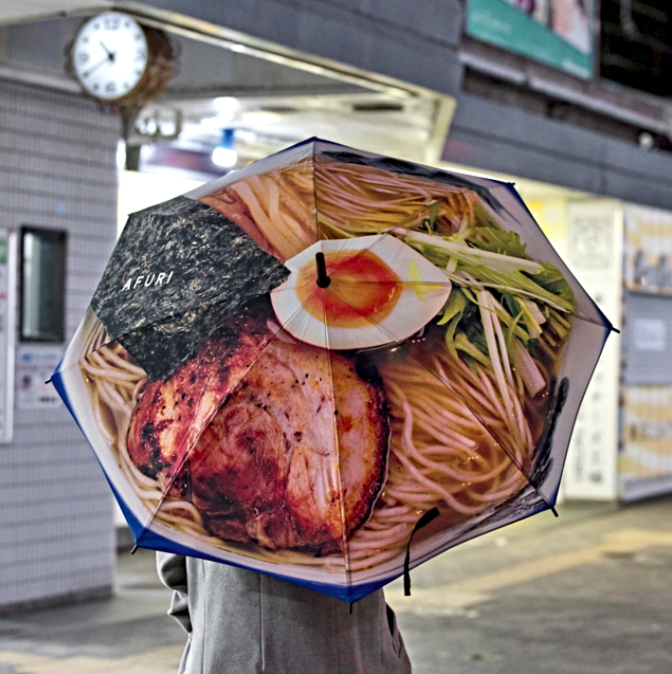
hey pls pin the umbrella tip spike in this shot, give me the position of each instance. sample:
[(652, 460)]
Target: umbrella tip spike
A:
[(48, 381), (134, 549), (554, 511)]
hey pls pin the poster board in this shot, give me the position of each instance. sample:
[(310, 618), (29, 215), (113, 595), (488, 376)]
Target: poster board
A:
[(558, 33)]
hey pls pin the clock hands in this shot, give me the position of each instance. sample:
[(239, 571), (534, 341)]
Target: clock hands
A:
[(94, 68), (108, 59), (110, 54)]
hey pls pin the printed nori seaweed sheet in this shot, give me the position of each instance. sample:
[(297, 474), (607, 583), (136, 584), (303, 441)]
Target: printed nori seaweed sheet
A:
[(216, 269)]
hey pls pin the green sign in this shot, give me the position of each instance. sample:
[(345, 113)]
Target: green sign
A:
[(555, 32)]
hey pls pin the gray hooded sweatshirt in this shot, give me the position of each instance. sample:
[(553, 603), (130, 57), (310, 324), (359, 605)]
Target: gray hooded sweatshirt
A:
[(241, 622)]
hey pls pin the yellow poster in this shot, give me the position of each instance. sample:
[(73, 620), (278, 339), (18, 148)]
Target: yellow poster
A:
[(645, 466)]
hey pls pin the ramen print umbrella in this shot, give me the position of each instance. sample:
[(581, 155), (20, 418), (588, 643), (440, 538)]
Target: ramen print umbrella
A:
[(330, 366)]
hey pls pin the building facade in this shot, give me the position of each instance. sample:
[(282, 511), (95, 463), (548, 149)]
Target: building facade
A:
[(57, 162)]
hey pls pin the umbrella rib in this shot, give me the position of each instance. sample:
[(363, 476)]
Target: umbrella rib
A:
[(217, 299), (438, 284), (147, 326), (331, 382), (578, 315), (154, 515), (346, 554), (410, 218), (429, 284)]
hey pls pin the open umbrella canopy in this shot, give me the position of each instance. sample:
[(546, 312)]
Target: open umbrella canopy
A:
[(331, 366)]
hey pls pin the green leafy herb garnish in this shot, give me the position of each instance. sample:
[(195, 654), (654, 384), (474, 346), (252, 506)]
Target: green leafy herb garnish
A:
[(499, 241)]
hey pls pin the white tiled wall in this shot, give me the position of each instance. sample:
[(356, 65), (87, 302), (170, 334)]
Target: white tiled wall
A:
[(57, 169)]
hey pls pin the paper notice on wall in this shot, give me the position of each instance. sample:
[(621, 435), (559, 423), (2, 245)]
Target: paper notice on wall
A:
[(594, 231), (591, 237), (33, 368)]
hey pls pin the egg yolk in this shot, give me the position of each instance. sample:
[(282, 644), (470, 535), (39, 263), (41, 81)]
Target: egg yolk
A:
[(363, 289)]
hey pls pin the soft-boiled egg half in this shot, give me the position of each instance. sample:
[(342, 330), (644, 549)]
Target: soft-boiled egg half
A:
[(380, 291)]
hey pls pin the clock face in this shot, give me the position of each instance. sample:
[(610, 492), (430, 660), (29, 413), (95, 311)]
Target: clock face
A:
[(110, 55)]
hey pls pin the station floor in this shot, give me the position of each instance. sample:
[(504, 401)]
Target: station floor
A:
[(590, 592)]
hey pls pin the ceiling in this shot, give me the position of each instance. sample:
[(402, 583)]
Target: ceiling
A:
[(269, 104), (203, 70)]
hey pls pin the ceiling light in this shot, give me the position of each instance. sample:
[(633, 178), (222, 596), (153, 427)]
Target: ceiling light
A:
[(226, 106), (225, 157), (646, 140)]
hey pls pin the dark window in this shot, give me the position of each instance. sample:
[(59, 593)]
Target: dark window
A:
[(636, 44), (43, 253)]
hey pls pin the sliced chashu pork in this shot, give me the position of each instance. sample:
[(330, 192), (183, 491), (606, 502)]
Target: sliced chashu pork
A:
[(294, 457)]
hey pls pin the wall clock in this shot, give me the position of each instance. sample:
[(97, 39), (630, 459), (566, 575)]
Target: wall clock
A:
[(119, 62)]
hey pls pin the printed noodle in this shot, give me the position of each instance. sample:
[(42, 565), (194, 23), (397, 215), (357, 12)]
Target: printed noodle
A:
[(440, 453), (281, 208), (116, 384), (367, 200), (286, 203)]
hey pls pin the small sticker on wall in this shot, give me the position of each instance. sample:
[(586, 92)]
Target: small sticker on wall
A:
[(649, 334)]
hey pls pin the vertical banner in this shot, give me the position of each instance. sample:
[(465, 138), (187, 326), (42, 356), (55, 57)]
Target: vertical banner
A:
[(7, 332), (558, 33), (594, 242)]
